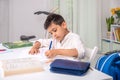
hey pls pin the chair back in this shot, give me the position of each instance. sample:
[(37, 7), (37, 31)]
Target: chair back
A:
[(90, 54)]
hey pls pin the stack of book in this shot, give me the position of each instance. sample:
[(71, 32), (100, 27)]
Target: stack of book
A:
[(116, 34)]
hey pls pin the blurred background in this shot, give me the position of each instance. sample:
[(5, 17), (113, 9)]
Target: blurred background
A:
[(84, 17)]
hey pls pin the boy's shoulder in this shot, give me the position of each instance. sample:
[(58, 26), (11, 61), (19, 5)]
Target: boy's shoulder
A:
[(73, 36)]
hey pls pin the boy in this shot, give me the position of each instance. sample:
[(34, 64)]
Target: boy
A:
[(64, 42)]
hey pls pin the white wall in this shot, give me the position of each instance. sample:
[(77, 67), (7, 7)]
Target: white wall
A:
[(22, 20), (115, 3), (106, 7), (4, 16)]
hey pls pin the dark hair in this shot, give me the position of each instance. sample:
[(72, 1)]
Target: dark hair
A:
[(53, 18)]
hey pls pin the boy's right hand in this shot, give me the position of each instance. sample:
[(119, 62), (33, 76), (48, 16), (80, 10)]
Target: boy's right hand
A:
[(35, 48), (34, 51)]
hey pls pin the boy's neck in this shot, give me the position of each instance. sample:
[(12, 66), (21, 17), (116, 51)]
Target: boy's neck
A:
[(67, 31), (65, 35)]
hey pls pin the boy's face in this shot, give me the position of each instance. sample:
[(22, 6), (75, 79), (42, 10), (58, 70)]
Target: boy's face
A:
[(58, 32)]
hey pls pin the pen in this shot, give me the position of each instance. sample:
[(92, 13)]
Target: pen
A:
[(50, 46)]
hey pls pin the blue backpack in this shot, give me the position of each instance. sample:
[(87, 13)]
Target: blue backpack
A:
[(110, 64)]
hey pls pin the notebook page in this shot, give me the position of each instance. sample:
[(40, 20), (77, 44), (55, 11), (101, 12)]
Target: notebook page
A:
[(21, 65)]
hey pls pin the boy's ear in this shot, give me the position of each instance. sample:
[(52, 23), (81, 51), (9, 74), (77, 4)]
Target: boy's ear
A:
[(64, 25)]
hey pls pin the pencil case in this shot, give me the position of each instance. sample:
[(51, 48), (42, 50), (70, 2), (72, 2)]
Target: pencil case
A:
[(69, 67)]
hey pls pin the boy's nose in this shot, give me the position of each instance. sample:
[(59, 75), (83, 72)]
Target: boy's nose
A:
[(54, 35)]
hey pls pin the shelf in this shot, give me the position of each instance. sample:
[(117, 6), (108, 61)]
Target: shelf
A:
[(113, 43), (106, 45), (116, 25), (108, 40)]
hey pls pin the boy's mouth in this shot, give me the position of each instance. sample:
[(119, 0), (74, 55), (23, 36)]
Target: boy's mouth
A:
[(57, 38)]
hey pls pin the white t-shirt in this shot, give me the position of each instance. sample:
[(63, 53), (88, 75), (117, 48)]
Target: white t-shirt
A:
[(70, 41)]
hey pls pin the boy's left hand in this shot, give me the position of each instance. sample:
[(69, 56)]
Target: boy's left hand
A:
[(50, 53)]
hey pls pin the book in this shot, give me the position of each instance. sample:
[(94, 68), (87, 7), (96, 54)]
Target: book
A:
[(21, 66), (114, 34), (17, 44), (117, 30)]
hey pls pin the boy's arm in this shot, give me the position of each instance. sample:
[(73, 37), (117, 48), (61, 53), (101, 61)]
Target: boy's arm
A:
[(65, 52), (35, 48)]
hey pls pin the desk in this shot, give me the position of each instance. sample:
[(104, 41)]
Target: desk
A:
[(47, 75)]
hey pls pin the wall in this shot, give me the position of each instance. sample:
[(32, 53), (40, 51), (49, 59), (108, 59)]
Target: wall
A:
[(4, 22), (106, 12), (22, 20)]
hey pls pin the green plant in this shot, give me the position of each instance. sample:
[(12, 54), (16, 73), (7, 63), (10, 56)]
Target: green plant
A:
[(109, 21)]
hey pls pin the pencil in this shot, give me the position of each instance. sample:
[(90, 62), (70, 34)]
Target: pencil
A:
[(50, 46)]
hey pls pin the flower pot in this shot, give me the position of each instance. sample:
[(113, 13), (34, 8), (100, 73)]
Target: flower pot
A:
[(108, 35)]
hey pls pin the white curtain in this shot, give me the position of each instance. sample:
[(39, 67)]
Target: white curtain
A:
[(83, 18), (89, 26)]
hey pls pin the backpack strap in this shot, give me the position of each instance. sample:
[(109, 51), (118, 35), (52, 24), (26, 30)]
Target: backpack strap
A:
[(98, 62), (108, 58)]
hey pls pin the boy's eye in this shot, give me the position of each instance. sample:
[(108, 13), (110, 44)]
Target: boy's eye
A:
[(54, 30), (50, 33)]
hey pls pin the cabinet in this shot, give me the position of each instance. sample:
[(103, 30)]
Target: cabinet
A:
[(114, 42)]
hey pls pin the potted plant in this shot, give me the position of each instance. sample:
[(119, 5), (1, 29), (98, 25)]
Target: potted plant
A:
[(109, 21)]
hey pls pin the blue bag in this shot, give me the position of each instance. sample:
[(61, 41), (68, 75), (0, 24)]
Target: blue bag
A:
[(69, 67), (110, 64)]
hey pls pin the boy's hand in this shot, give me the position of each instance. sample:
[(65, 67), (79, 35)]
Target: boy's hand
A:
[(34, 51), (50, 53), (35, 48)]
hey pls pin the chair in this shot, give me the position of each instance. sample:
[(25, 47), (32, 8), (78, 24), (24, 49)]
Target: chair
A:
[(90, 54)]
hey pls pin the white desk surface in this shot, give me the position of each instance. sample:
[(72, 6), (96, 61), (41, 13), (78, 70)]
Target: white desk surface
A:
[(46, 75)]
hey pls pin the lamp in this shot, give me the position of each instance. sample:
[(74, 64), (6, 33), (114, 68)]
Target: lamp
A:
[(45, 12), (42, 12)]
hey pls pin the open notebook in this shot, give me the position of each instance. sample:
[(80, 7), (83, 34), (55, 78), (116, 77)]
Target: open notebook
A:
[(21, 66)]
